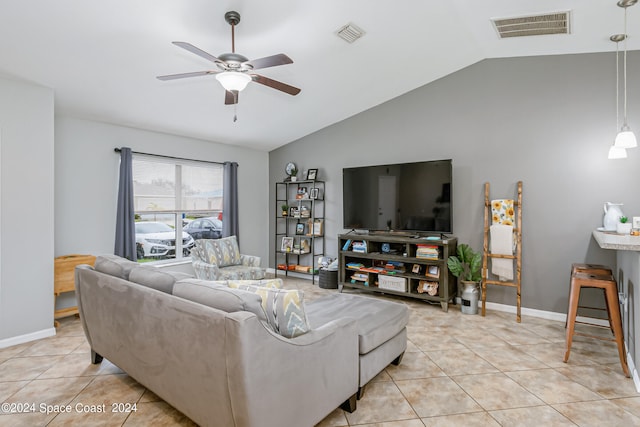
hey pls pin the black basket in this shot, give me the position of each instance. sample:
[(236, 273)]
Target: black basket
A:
[(328, 279)]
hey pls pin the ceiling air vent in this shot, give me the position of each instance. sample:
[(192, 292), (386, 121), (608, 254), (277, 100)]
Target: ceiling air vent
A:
[(534, 25), (350, 33)]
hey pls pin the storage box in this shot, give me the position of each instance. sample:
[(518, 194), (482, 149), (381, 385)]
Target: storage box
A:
[(392, 283), (328, 279)]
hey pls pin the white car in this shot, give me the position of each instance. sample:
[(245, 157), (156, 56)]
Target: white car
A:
[(157, 239)]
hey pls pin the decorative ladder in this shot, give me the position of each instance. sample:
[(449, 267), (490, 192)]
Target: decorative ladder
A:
[(517, 230)]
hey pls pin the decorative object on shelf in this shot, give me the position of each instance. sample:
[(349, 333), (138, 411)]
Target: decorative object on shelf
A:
[(416, 268), (285, 209), (287, 244), (624, 227), (312, 174), (612, 213), (433, 271), (289, 169), (302, 193), (316, 227), (313, 194), (300, 228), (294, 212)]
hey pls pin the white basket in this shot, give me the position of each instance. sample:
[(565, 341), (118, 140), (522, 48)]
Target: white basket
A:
[(392, 283)]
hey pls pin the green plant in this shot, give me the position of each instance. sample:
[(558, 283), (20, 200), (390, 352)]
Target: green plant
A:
[(624, 219), (294, 171), (285, 208), (466, 265)]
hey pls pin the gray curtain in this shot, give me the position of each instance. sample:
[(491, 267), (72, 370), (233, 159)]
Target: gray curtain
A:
[(230, 201), (125, 217)]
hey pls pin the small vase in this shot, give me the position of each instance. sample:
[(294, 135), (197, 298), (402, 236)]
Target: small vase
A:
[(294, 178)]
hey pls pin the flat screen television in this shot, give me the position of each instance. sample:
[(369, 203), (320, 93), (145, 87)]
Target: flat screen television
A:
[(410, 197)]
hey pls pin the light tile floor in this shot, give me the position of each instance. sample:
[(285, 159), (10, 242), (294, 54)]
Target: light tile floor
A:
[(459, 370)]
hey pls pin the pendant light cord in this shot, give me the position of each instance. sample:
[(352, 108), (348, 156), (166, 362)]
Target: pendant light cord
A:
[(617, 87), (625, 67)]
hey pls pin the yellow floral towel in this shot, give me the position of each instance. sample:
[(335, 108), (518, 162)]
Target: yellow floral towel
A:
[(502, 212)]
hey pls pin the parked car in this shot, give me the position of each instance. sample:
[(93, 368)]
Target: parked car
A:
[(158, 240), (204, 228)]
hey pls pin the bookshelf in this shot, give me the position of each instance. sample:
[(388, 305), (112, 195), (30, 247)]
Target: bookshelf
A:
[(400, 265), (299, 235)]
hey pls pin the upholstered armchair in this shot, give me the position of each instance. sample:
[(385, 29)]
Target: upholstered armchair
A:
[(220, 259)]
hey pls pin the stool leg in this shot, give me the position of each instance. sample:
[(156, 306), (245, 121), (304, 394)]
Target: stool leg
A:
[(614, 310), (572, 311)]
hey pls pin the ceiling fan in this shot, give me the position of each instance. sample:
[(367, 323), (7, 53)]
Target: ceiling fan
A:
[(235, 71)]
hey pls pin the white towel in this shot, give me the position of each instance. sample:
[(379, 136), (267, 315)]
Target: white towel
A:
[(502, 244)]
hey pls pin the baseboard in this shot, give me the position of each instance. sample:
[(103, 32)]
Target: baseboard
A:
[(20, 339), (541, 314)]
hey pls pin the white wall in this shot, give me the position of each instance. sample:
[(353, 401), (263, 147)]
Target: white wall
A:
[(547, 121), (87, 182), (26, 217)]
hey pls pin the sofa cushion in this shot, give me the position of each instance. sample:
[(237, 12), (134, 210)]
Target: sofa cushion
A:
[(377, 320), (221, 252), (114, 265), (284, 309), (220, 296), (156, 278)]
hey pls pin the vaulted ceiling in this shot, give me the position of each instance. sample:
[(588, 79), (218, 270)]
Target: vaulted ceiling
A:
[(101, 58)]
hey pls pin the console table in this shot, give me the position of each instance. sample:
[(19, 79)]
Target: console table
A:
[(628, 275)]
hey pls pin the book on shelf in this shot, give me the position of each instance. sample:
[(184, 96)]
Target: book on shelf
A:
[(354, 265), (427, 251)]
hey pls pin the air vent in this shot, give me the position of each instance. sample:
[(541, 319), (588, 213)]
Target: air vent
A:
[(535, 25), (350, 33)]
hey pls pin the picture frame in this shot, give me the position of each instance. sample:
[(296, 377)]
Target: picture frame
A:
[(287, 244), (314, 193), (317, 227), (433, 271), (312, 174), (416, 268), (294, 212), (636, 222), (300, 228)]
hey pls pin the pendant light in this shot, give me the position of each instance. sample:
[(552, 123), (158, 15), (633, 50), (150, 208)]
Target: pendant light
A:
[(625, 138), (616, 151)]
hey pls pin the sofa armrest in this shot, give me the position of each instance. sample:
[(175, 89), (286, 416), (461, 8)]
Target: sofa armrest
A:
[(315, 372), (250, 260), (205, 271)]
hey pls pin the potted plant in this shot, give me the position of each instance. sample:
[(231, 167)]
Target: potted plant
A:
[(285, 209), (466, 266), (623, 226), (294, 172)]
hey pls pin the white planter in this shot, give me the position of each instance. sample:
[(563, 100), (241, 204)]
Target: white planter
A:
[(624, 228)]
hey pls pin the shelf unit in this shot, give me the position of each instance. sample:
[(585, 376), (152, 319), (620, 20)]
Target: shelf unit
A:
[(303, 225), (365, 268)]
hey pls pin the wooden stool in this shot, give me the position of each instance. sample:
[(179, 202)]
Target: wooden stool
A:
[(591, 268), (608, 284)]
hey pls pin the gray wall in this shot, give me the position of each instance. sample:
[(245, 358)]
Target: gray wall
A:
[(87, 182), (26, 211), (547, 121)]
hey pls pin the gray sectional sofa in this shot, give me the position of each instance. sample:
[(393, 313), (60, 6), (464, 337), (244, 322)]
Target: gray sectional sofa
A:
[(225, 366)]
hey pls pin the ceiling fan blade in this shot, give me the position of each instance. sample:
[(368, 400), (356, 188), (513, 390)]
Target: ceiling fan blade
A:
[(185, 75), (269, 61), (291, 90), (191, 48), (231, 97)]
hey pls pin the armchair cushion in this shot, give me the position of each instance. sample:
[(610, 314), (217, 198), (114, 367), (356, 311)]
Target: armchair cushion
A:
[(221, 252), (284, 310)]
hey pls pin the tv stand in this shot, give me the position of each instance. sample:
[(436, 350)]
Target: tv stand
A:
[(405, 265)]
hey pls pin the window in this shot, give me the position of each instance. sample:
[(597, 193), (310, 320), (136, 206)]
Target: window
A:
[(169, 197)]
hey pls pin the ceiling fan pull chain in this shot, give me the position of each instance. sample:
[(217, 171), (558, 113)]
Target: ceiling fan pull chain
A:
[(235, 109)]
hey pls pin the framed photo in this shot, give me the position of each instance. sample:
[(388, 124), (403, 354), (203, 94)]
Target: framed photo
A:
[(294, 212), (636, 221), (316, 227), (433, 271), (287, 244), (311, 174), (300, 228), (416, 268), (315, 192)]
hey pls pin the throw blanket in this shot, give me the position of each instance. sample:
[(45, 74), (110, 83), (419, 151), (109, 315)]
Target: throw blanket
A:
[(501, 242)]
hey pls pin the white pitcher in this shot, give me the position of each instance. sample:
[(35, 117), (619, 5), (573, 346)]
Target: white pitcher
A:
[(612, 214)]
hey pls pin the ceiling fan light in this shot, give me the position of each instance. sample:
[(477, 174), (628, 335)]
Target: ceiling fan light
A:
[(626, 138), (617, 152), (233, 80)]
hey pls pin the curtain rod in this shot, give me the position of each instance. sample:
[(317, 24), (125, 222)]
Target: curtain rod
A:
[(117, 150)]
